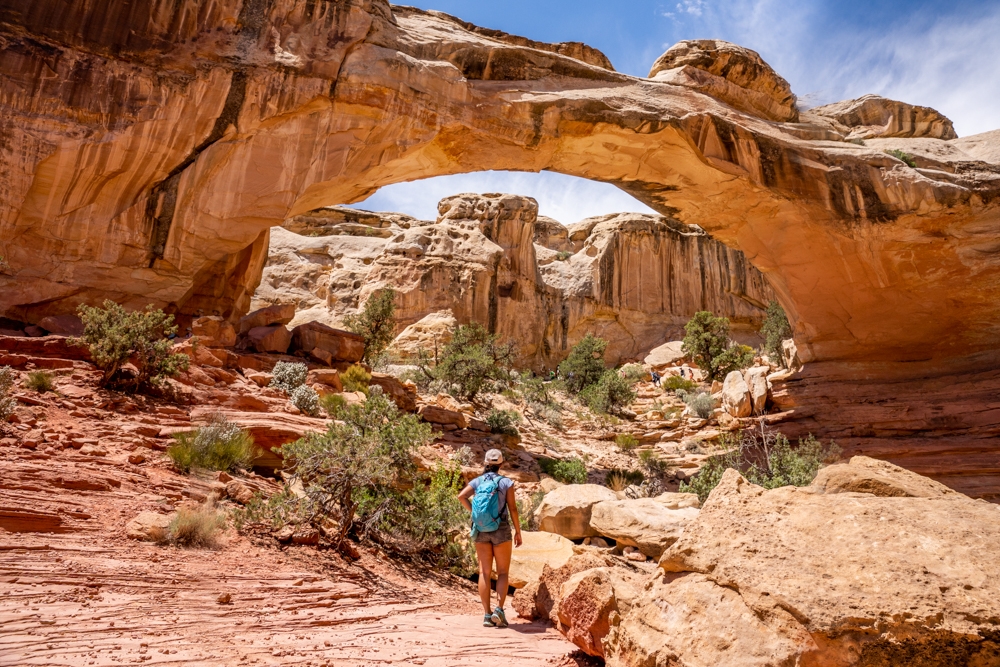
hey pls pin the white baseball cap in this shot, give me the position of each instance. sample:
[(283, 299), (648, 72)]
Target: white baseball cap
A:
[(494, 456)]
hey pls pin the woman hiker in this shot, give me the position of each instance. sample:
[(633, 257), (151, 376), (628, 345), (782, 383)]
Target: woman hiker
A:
[(490, 498)]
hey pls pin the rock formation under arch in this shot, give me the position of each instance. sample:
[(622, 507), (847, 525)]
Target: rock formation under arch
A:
[(147, 148)]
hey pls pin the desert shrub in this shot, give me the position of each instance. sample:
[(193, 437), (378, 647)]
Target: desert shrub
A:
[(40, 381), (332, 404), (288, 376), (563, 255), (707, 342), (903, 156), (464, 456), (610, 394), (618, 479), (569, 471), (626, 442), (475, 361), (503, 421), (585, 364), (765, 458), (534, 391), (197, 528), (349, 471), (356, 378), (526, 510), (633, 373), (376, 322), (219, 445), (651, 463), (857, 141), (676, 383), (4, 265), (306, 400), (700, 402), (116, 336), (7, 403), (774, 330), (736, 358)]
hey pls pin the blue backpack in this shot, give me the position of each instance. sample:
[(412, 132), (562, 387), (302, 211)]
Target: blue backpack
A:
[(486, 506)]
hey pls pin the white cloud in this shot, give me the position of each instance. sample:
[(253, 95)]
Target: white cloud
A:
[(566, 198)]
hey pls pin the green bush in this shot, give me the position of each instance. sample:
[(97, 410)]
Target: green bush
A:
[(116, 336), (6, 402), (288, 376), (376, 323), (40, 381), (903, 156), (503, 421), (651, 463), (676, 382), (774, 330), (766, 459), (610, 394), (699, 402), (619, 479), (475, 361), (197, 528), (626, 442), (356, 378), (526, 511), (332, 404), (350, 472), (707, 342), (585, 364), (634, 373), (219, 445), (306, 400), (563, 255), (569, 471)]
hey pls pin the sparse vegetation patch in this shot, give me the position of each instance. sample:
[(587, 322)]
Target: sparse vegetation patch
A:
[(219, 445)]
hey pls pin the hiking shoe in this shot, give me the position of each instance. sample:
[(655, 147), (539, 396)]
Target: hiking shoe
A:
[(488, 621), (499, 618)]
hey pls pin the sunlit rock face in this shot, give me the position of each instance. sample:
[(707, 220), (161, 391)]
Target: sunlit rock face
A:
[(631, 278), (148, 147)]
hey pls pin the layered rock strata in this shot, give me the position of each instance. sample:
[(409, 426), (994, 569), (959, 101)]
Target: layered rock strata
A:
[(147, 151), (632, 278)]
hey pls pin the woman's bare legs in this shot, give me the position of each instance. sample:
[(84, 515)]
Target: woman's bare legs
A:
[(484, 552), (502, 554)]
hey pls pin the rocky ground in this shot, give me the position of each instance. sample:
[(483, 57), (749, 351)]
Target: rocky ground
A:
[(81, 462)]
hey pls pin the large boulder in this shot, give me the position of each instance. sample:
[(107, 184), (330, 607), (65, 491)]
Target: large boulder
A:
[(403, 395), (264, 317), (270, 430), (731, 73), (758, 387), (148, 527), (648, 524), (873, 116), (736, 395), (435, 414), (328, 344), (880, 478), (325, 376), (214, 331), (537, 599), (593, 601), (665, 356), (62, 325), (567, 510), (792, 576), (274, 339), (538, 550)]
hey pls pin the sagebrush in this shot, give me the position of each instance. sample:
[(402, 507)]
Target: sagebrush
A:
[(219, 445), (196, 528), (306, 400), (289, 376), (7, 403), (40, 381), (116, 336)]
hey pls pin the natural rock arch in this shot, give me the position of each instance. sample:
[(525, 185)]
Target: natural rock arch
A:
[(148, 150)]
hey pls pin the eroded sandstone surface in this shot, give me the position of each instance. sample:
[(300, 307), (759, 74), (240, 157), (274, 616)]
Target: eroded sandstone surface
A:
[(631, 278), (147, 151)]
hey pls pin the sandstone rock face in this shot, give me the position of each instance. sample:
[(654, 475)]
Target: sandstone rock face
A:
[(214, 331), (881, 478), (567, 509), (62, 325), (229, 122), (540, 549), (736, 75), (873, 116), (328, 344), (649, 524), (282, 313), (634, 279), (274, 338), (590, 602), (736, 399), (792, 576)]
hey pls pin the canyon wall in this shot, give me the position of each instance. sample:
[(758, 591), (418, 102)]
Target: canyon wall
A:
[(634, 279), (147, 148)]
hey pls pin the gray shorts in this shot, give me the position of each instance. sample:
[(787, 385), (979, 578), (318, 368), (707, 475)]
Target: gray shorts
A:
[(498, 536)]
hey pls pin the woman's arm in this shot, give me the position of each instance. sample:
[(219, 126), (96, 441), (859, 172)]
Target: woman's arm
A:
[(464, 496), (514, 518)]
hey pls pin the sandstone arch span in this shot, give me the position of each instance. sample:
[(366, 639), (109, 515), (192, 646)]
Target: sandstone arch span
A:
[(147, 151)]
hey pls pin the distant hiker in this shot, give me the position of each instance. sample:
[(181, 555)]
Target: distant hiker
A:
[(682, 373), (494, 511), (656, 379)]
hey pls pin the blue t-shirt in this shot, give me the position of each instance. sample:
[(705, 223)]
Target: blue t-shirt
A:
[(504, 484)]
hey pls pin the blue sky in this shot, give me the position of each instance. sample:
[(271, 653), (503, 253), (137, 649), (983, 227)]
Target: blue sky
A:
[(939, 54)]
